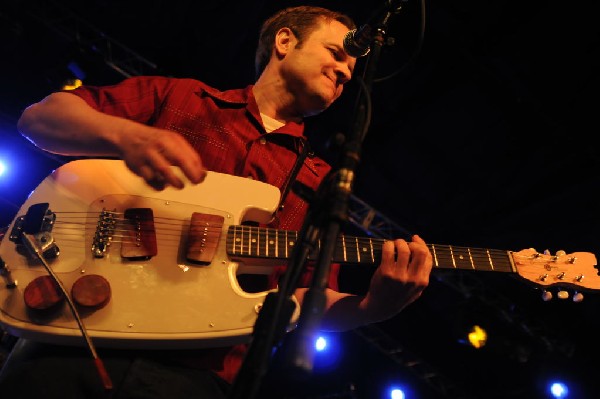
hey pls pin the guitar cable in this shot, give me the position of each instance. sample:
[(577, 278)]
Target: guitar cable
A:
[(106, 381)]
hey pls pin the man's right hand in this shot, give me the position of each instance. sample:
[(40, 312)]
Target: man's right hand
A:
[(150, 152)]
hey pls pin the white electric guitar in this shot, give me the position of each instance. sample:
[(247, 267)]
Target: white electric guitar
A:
[(172, 258)]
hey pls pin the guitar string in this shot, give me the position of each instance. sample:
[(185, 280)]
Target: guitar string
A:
[(122, 230)]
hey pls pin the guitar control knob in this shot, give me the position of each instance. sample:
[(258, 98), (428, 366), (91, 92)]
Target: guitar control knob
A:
[(546, 296), (577, 297), (562, 294)]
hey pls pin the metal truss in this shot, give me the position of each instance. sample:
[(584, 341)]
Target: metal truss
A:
[(372, 222), (65, 23), (392, 349)]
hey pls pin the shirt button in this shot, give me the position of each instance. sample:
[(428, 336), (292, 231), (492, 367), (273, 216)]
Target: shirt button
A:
[(262, 140)]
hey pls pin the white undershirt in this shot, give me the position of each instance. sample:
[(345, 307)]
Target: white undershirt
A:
[(270, 124)]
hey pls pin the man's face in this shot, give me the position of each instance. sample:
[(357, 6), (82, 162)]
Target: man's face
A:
[(316, 71)]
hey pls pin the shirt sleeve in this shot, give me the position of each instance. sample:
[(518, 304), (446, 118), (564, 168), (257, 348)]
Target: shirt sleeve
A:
[(137, 98)]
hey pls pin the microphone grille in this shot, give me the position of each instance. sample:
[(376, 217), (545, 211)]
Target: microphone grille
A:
[(352, 47)]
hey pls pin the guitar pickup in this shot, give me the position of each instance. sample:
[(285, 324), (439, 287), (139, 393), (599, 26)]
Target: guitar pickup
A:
[(204, 235), (37, 222), (139, 234)]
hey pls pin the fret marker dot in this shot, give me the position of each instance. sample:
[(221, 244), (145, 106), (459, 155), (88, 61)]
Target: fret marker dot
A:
[(271, 242), (291, 243), (254, 240)]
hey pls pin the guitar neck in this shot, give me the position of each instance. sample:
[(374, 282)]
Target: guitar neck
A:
[(266, 243)]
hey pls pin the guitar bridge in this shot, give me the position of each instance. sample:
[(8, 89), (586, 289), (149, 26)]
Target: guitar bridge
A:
[(37, 222)]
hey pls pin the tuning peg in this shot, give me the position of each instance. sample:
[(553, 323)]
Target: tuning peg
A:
[(577, 297), (546, 252), (546, 296), (560, 253), (562, 294)]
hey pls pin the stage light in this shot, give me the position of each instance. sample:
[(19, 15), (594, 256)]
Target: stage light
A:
[(477, 337), (327, 352), (397, 393), (2, 167), (71, 84), (559, 390), (320, 344)]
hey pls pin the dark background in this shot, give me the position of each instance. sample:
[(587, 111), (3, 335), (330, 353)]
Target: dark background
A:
[(485, 139)]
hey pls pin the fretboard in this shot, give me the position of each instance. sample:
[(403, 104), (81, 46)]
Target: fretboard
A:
[(267, 243)]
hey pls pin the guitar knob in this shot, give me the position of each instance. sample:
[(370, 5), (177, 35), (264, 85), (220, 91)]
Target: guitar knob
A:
[(577, 297), (562, 294), (546, 296)]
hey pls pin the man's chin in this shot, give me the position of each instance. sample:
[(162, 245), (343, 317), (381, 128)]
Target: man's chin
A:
[(321, 103)]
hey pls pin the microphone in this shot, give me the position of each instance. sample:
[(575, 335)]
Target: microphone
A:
[(357, 42)]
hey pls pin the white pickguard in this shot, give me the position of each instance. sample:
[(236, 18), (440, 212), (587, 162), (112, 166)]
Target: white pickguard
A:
[(163, 302)]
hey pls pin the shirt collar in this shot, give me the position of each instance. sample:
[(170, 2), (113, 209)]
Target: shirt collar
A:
[(245, 97)]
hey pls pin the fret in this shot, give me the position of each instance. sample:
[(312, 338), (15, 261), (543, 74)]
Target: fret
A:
[(482, 260), (499, 261), (357, 250), (276, 244), (433, 249), (243, 241), (235, 239), (375, 251), (248, 239), (490, 260), (344, 249), (471, 258), (370, 250), (257, 243), (256, 240), (462, 258), (286, 245), (365, 250), (266, 244), (240, 240), (443, 257), (259, 233), (245, 237)]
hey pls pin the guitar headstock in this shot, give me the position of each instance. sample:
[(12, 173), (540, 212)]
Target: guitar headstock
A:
[(577, 270)]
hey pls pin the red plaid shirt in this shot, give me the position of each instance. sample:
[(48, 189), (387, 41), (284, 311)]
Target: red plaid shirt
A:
[(226, 129)]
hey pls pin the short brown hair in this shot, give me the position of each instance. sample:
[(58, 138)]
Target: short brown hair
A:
[(301, 20)]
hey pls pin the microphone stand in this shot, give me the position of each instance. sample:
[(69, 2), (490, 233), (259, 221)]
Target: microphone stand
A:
[(332, 211), (321, 228)]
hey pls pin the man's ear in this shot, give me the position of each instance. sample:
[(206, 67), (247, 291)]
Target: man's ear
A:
[(284, 41)]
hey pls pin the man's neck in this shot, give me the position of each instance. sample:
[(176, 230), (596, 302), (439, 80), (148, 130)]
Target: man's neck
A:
[(273, 100)]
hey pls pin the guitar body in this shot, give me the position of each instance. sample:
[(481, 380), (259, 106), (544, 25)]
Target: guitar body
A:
[(161, 301), (171, 259)]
